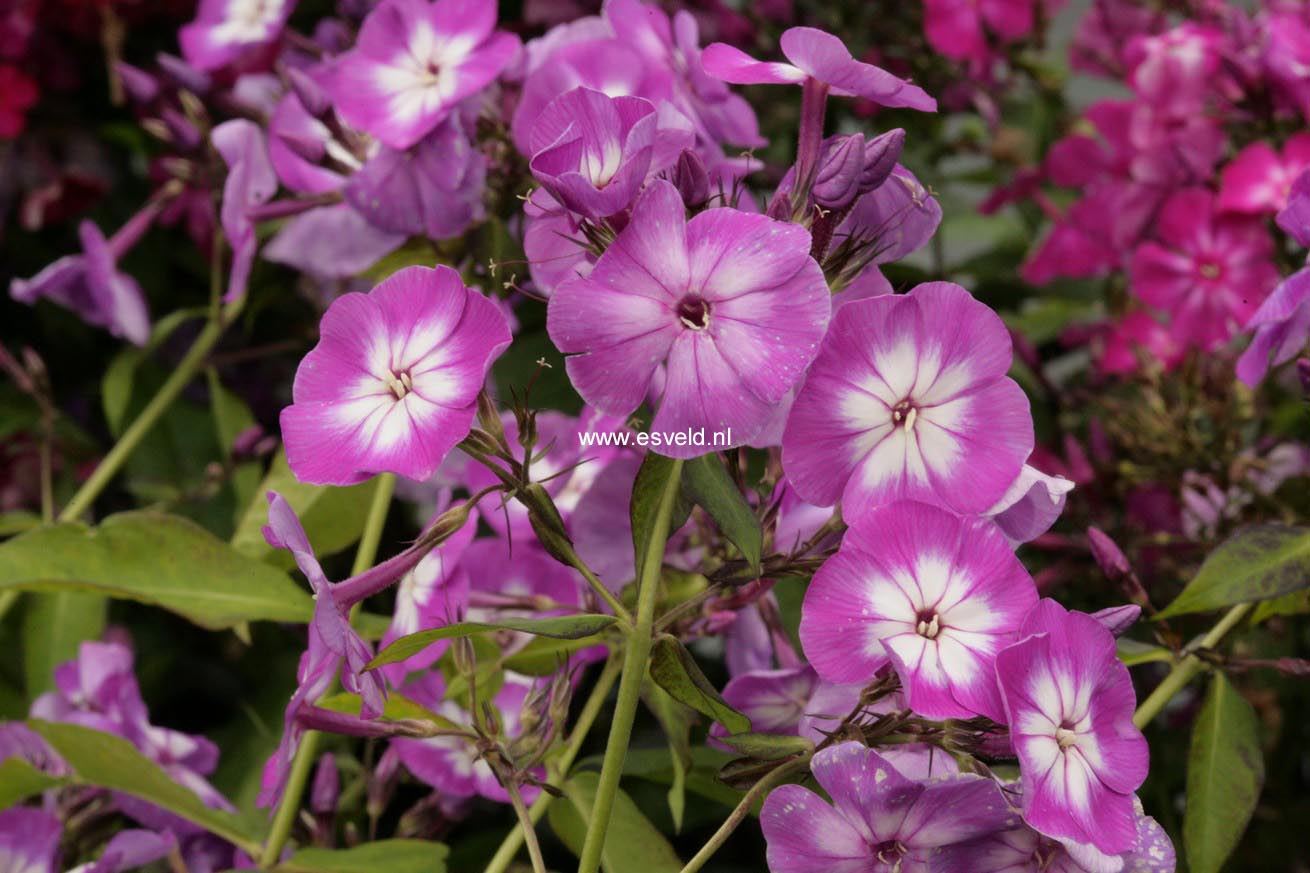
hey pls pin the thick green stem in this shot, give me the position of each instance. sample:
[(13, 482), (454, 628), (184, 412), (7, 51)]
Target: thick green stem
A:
[(307, 752), (185, 371), (513, 841), (756, 792), (1186, 669), (635, 659)]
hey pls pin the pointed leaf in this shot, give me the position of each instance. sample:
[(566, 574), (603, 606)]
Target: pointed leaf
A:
[(631, 842), (707, 483), (392, 856), (673, 669), (1257, 563), (646, 490), (544, 655), (54, 626), (19, 780), (768, 747), (564, 627)]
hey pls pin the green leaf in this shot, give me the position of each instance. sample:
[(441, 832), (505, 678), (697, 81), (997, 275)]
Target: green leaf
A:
[(654, 473), (108, 761), (1134, 652), (1296, 603), (154, 558), (702, 779), (333, 518), (1225, 771), (392, 856), (542, 656), (120, 376), (1257, 563), (54, 626), (564, 627), (706, 482), (631, 842), (676, 721), (397, 708), (674, 669), (19, 780), (18, 521), (768, 747)]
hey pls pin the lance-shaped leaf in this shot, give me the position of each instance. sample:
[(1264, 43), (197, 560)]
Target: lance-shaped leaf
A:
[(397, 708), (108, 761), (646, 491), (632, 843), (1257, 563), (706, 482), (544, 655), (393, 856), (674, 669), (767, 747), (1134, 652), (1225, 771), (19, 780), (564, 627), (163, 560)]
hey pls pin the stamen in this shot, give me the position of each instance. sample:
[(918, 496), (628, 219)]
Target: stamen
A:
[(929, 626), (694, 312), (1065, 737), (400, 384), (905, 413)]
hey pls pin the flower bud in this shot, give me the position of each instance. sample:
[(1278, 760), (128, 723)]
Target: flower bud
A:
[(691, 179), (481, 443), (325, 791), (836, 182), (181, 129), (1107, 554), (489, 418), (464, 657), (446, 525), (139, 85), (308, 92), (183, 74), (880, 156)]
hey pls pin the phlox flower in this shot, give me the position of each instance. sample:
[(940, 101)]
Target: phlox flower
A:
[(392, 384), (879, 820), (415, 61), (791, 701), (1138, 333), (1282, 328), (1260, 178), (1069, 703), (225, 31), (732, 303), (893, 219), (251, 181), (1030, 505), (959, 28), (938, 594), (29, 840), (1209, 271), (1176, 71), (908, 400), (816, 54)]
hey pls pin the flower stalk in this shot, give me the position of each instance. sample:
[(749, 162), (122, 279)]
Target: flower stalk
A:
[(1185, 670)]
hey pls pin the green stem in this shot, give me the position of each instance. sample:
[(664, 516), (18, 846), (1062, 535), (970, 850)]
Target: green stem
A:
[(513, 841), (635, 660), (757, 791), (527, 829), (307, 753), (185, 371), (1185, 670)]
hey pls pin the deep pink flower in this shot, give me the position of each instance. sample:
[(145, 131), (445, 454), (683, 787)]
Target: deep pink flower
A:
[(894, 219), (226, 30), (1030, 505), (1209, 271), (732, 302), (959, 28), (18, 93), (392, 384), (1137, 333), (938, 594), (1176, 70), (1294, 220), (816, 54), (1069, 703), (415, 61), (1259, 179), (878, 820), (908, 400)]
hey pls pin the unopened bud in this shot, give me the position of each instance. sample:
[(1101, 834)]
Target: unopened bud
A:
[(139, 85), (527, 425), (464, 657), (446, 525), (184, 132), (183, 74), (836, 182), (880, 156), (488, 418), (308, 92), (479, 443), (326, 789), (1107, 554), (691, 179), (311, 148)]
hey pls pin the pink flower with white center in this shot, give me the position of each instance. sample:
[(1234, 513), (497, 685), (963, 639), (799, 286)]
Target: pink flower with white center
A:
[(908, 400), (1069, 703), (1259, 179), (1209, 271), (732, 302), (415, 61), (1176, 70), (393, 382), (226, 30), (938, 594)]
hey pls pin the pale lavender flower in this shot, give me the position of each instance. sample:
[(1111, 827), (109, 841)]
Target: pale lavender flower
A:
[(250, 182), (893, 219), (225, 31), (1282, 329), (29, 840), (1030, 505)]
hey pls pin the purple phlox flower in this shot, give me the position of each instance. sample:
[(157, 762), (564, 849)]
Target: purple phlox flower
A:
[(894, 219), (959, 28), (91, 284), (815, 54), (1210, 271), (17, 740), (393, 382), (305, 153), (732, 302), (250, 182), (879, 820), (1024, 850), (1284, 40), (553, 243), (415, 61), (326, 787), (748, 642), (1105, 32), (433, 594), (129, 850), (1030, 505), (29, 840), (434, 189), (1069, 703), (593, 152), (792, 701), (225, 31), (908, 400), (1282, 328), (850, 166), (1176, 71), (797, 519), (331, 242), (451, 764), (938, 594), (1259, 179), (518, 580), (1294, 220)]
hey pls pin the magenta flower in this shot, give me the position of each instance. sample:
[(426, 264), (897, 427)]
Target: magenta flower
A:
[(1176, 71), (1282, 328), (1209, 271), (815, 54), (879, 820), (732, 302), (1122, 343), (392, 384), (225, 31), (1069, 703), (894, 219), (415, 61), (959, 28), (938, 594), (908, 400), (1259, 179), (1030, 505), (250, 182), (791, 701), (1294, 220), (29, 840)]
